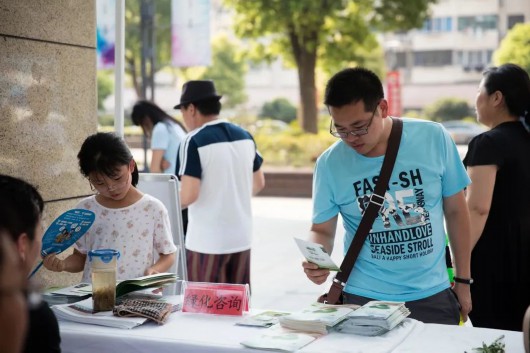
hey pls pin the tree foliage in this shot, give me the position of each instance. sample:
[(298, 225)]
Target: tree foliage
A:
[(227, 71), (330, 33), (279, 109), (105, 86), (447, 109), (515, 47)]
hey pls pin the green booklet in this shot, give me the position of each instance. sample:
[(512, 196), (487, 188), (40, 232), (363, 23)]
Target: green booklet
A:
[(82, 290), (152, 281)]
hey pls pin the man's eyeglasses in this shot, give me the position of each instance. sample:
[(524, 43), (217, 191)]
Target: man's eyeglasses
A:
[(356, 132)]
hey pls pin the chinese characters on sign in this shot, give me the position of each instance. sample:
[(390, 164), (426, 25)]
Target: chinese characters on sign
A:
[(214, 298)]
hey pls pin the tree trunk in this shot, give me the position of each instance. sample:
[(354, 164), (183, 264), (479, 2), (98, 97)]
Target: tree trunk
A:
[(306, 58), (134, 78), (308, 114)]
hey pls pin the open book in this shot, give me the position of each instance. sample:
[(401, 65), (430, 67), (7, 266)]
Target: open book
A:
[(152, 281), (82, 291)]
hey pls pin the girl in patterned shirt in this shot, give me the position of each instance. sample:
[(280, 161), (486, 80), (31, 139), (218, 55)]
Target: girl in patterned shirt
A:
[(127, 220)]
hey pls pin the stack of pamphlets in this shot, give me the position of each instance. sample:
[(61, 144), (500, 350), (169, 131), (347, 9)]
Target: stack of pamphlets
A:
[(69, 294), (374, 318), (318, 318), (263, 319)]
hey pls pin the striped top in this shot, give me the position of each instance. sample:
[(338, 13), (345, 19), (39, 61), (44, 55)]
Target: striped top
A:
[(224, 157)]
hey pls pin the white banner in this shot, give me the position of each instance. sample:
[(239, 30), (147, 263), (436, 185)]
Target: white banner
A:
[(105, 33), (190, 33)]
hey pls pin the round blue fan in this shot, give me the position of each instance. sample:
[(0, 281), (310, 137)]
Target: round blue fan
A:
[(65, 231)]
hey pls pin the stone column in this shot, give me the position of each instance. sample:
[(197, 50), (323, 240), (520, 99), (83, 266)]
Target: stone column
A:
[(48, 101)]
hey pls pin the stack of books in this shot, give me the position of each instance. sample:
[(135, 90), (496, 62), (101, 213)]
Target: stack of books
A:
[(318, 318), (83, 311), (67, 295), (374, 318)]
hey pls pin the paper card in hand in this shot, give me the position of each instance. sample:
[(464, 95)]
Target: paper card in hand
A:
[(66, 230), (315, 253)]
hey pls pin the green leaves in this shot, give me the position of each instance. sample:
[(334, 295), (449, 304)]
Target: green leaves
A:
[(328, 34), (227, 71), (496, 346), (515, 47)]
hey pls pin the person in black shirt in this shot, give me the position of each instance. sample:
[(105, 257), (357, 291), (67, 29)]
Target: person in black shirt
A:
[(13, 304), (498, 163), (21, 208)]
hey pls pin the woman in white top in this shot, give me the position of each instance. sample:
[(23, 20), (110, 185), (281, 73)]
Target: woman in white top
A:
[(165, 133)]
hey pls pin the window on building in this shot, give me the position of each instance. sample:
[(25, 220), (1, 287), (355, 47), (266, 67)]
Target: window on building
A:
[(476, 60), (515, 19), (427, 25), (438, 24), (475, 23), (401, 60), (433, 58), (447, 24)]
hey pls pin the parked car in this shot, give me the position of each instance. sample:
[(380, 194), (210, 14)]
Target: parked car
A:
[(463, 131)]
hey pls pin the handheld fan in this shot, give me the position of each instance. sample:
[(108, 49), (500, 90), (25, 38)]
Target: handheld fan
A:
[(65, 231)]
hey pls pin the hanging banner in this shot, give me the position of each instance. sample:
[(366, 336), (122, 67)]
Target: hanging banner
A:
[(393, 85), (190, 33), (105, 33)]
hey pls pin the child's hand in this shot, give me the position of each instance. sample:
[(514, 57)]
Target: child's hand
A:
[(52, 263), (150, 271)]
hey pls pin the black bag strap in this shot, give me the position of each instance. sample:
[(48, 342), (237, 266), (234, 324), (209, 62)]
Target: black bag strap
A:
[(377, 200)]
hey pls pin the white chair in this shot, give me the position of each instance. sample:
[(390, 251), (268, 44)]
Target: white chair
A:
[(165, 188)]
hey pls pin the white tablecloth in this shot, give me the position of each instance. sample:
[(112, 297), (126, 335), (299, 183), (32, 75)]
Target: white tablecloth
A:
[(185, 332)]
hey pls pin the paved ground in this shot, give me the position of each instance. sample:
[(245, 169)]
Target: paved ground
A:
[(278, 281)]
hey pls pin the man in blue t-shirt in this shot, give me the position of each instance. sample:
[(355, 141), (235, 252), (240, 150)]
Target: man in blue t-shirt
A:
[(403, 257)]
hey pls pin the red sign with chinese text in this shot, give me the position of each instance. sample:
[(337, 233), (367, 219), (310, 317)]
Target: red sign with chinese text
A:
[(215, 298), (393, 85)]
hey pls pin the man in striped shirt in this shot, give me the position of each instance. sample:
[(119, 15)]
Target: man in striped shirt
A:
[(220, 169)]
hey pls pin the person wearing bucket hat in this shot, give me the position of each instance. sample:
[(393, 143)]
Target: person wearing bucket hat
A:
[(197, 91), (220, 169)]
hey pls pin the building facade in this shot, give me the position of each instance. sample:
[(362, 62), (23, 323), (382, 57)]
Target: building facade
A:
[(446, 57)]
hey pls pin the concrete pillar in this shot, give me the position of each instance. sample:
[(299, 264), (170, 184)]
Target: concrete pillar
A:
[(48, 101)]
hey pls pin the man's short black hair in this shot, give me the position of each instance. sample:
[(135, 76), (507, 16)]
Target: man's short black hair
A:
[(206, 107), (353, 85)]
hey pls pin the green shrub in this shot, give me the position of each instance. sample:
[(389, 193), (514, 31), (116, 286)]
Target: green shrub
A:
[(447, 109), (291, 148), (105, 86), (279, 109)]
